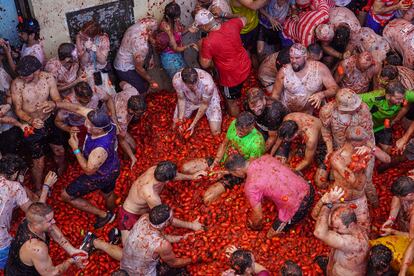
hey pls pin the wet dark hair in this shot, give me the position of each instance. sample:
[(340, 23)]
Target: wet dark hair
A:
[(137, 103), (165, 171), (119, 272), (234, 162), (65, 50), (159, 214), (379, 259), (162, 40), (241, 260), (288, 129), (342, 34), (30, 26), (245, 119), (283, 58), (393, 58), (91, 28), (189, 75), (10, 164), (395, 87), (403, 186), (274, 114), (39, 209), (290, 268), (347, 215), (315, 49), (83, 89), (172, 10), (27, 65), (389, 71)]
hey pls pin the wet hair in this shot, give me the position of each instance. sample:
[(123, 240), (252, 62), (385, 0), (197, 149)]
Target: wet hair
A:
[(389, 71), (36, 210), (245, 119), (315, 49), (30, 26), (342, 34), (137, 103), (241, 260), (83, 89), (119, 272), (100, 119), (172, 11), (290, 268), (403, 186), (189, 75), (288, 129), (274, 114), (347, 215), (393, 58), (65, 50), (234, 162), (379, 259), (162, 40), (91, 28), (10, 164), (27, 65), (159, 214), (165, 171), (394, 87), (283, 58)]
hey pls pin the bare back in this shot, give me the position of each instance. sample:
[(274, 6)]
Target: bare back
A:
[(352, 191), (144, 190), (310, 125)]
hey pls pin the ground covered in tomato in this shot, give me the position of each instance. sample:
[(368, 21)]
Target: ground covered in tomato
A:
[(225, 219)]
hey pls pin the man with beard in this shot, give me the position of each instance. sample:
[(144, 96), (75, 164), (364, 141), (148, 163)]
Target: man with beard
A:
[(299, 84), (65, 67), (269, 116)]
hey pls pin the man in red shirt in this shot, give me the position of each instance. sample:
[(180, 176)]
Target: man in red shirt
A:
[(224, 48)]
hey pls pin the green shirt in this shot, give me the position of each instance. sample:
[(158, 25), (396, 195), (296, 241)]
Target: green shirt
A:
[(250, 146), (380, 108)]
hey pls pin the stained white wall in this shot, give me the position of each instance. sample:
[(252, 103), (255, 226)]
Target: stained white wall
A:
[(51, 15)]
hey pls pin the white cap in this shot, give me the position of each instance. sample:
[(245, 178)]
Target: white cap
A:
[(203, 17)]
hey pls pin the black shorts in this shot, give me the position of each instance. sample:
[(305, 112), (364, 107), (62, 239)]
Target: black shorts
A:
[(269, 36), (11, 141), (86, 184), (283, 150), (234, 92), (410, 113), (38, 142), (320, 154), (229, 181), (134, 79), (300, 213), (250, 39), (356, 5), (384, 136)]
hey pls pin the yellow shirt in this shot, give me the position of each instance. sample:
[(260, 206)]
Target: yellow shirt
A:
[(252, 16)]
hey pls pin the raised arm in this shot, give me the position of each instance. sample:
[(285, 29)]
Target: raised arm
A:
[(167, 255), (278, 85)]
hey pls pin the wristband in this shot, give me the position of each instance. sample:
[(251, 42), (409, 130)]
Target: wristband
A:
[(45, 185), (76, 151), (329, 205)]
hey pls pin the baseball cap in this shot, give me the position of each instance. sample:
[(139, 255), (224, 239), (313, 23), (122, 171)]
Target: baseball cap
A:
[(29, 25), (347, 100), (203, 17), (99, 119)]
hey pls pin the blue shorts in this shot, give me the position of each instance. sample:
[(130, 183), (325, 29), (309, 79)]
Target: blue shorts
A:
[(4, 255), (371, 23), (86, 184)]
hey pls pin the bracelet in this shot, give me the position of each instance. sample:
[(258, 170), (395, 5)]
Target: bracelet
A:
[(45, 185), (329, 205), (76, 151)]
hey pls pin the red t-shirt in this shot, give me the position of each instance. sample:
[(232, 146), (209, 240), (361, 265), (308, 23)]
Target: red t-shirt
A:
[(225, 48)]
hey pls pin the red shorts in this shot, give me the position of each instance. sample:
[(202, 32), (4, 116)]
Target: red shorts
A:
[(126, 220)]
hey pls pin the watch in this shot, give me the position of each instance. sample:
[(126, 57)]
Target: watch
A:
[(329, 205)]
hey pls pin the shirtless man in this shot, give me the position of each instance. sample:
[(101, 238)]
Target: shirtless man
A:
[(146, 245), (338, 228), (400, 33), (308, 128), (144, 194), (339, 115), (357, 72), (29, 252), (28, 91), (269, 68), (65, 67), (299, 84), (350, 179)]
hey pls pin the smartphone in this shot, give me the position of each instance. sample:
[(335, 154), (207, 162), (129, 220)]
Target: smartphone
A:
[(97, 78)]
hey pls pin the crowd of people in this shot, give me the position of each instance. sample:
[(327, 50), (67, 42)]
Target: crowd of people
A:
[(335, 78)]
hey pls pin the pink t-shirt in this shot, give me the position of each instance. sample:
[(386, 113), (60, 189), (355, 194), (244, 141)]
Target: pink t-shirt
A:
[(35, 50), (268, 177), (225, 48), (62, 75), (121, 106), (12, 194)]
